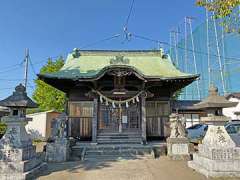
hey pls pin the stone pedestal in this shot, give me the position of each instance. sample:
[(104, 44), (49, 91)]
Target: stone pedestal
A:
[(18, 159), (178, 148), (58, 151), (218, 155)]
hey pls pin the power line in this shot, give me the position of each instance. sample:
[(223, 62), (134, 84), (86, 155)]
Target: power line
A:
[(11, 80), (100, 41), (12, 69), (129, 14), (12, 66), (32, 67), (166, 43)]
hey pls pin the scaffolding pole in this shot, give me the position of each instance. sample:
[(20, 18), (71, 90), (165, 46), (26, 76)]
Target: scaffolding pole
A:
[(186, 53), (225, 69), (219, 57), (208, 50), (194, 55), (175, 33)]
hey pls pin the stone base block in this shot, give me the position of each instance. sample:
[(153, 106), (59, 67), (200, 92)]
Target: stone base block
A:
[(215, 168), (18, 154), (57, 151), (31, 174), (178, 149), (21, 166)]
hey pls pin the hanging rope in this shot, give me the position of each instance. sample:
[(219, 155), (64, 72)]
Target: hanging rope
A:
[(118, 102)]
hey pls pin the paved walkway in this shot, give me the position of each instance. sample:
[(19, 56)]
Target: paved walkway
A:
[(148, 169)]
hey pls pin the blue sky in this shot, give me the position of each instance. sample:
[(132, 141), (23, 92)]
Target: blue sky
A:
[(51, 28)]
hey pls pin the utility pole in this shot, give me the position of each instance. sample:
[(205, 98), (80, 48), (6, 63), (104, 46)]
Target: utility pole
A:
[(26, 61)]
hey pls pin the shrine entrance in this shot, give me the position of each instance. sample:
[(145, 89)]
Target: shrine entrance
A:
[(119, 119)]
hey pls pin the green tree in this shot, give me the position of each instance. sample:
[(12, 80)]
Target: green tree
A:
[(225, 10), (46, 96), (3, 128)]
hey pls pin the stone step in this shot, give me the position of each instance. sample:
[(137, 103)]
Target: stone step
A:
[(116, 158), (119, 141), (119, 137), (112, 151), (117, 152), (108, 146), (111, 156)]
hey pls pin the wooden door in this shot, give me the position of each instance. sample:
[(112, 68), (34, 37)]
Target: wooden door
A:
[(110, 118)]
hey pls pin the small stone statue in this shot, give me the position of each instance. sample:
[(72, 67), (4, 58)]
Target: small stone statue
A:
[(57, 148), (58, 127), (177, 127)]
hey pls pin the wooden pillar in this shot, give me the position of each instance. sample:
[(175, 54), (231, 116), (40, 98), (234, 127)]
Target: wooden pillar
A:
[(94, 119), (143, 118)]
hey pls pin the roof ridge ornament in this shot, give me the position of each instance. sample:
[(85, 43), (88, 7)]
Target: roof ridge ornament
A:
[(76, 53), (213, 90), (119, 59), (20, 89)]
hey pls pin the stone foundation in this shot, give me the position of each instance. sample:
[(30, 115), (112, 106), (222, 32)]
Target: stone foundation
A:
[(178, 148), (20, 163), (215, 168), (57, 151), (218, 156)]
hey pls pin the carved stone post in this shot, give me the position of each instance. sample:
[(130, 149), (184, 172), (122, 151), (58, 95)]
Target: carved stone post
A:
[(143, 118), (94, 120)]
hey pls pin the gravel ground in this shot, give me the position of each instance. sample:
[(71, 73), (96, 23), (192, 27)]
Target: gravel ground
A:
[(147, 169)]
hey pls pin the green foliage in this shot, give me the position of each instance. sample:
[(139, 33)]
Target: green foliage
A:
[(34, 110), (225, 10), (46, 96), (3, 128)]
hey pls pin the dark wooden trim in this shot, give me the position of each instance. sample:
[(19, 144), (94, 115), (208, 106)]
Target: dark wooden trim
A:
[(94, 120), (143, 119)]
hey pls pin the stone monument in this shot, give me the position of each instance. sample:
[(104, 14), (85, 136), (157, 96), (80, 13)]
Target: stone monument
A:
[(218, 155), (18, 159), (57, 150), (177, 143)]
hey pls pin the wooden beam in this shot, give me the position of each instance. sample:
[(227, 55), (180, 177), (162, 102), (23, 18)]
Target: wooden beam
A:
[(94, 120), (143, 118)]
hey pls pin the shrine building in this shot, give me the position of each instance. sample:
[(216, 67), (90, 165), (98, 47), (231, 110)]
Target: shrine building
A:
[(118, 93)]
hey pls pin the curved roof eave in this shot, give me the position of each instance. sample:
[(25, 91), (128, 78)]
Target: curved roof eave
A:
[(103, 71)]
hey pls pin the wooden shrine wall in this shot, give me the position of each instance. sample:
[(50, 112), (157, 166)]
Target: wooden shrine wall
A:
[(157, 116), (80, 119)]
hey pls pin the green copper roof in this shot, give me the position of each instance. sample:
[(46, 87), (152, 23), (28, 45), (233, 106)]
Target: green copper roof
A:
[(92, 64)]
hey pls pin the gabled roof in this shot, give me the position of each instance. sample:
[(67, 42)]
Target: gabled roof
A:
[(19, 98), (93, 64), (184, 104), (214, 100)]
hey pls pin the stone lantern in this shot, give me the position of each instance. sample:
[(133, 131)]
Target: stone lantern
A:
[(213, 106), (17, 154), (219, 154)]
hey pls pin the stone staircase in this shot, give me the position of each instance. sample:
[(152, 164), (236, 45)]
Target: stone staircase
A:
[(119, 138), (115, 146), (96, 152)]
